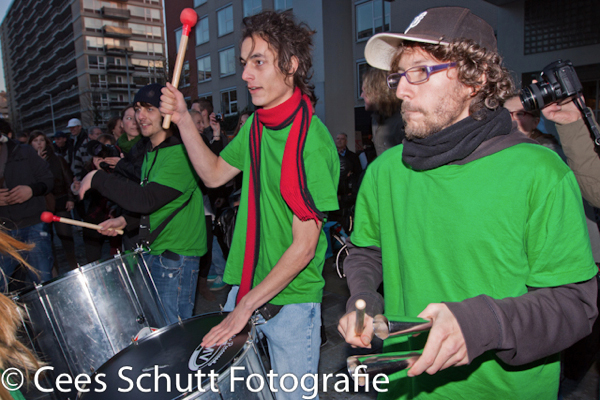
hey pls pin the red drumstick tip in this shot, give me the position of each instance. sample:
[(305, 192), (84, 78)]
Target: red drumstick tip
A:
[(188, 17), (47, 217)]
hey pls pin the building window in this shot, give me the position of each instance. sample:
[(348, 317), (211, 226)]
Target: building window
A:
[(202, 31), (252, 7), (361, 68), (554, 25), (227, 62), (204, 72), (225, 20), (229, 101), (150, 32), (198, 3), (185, 75), (282, 5), (178, 33), (94, 43), (372, 17)]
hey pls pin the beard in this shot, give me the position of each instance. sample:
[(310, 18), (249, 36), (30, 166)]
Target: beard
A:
[(446, 112)]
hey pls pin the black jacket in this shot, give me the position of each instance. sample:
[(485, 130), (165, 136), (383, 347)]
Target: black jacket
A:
[(25, 167)]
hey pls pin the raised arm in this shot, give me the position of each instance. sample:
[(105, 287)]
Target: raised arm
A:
[(213, 170)]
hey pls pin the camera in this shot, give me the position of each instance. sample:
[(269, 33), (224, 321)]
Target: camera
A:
[(97, 149), (219, 117), (558, 81)]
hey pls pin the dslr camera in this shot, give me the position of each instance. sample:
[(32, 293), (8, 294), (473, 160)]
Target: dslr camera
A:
[(219, 117), (97, 149), (557, 82)]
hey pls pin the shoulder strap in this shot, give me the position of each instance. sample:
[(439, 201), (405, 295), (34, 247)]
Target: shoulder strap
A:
[(147, 237)]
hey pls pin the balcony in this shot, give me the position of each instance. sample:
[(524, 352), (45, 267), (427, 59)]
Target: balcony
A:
[(113, 68), (116, 31), (117, 105), (120, 86), (115, 13), (113, 50)]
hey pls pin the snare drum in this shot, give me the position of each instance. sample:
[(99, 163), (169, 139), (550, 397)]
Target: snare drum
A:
[(81, 319), (153, 367)]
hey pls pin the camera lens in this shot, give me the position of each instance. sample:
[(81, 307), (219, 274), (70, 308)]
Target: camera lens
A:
[(528, 100), (537, 96)]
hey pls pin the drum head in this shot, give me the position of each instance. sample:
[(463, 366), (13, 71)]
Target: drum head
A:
[(174, 351)]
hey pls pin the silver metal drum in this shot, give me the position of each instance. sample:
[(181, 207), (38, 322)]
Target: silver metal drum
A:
[(80, 320), (172, 356)]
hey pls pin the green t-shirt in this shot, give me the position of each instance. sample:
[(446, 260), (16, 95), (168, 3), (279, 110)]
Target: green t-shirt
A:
[(322, 167), (185, 234), (493, 226)]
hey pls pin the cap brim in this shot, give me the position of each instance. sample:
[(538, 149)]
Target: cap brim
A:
[(381, 48)]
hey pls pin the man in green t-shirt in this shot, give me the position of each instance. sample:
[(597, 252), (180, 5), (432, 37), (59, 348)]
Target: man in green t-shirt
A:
[(291, 172), (169, 200), (468, 224)]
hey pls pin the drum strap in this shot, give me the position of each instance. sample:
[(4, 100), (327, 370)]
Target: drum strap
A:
[(147, 237)]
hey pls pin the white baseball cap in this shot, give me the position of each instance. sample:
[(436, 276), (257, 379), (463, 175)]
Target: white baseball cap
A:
[(74, 122)]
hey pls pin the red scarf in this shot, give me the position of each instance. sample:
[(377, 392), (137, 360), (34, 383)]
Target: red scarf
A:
[(297, 110)]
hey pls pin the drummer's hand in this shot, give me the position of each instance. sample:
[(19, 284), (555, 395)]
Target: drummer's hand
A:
[(172, 103), (86, 184), (347, 326), (111, 225), (445, 345), (231, 325)]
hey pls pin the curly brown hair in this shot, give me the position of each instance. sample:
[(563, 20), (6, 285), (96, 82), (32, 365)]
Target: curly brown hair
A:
[(473, 62), (376, 89), (288, 39)]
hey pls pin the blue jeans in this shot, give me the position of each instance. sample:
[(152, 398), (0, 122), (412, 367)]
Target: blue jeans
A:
[(217, 267), (294, 339), (175, 277), (40, 257)]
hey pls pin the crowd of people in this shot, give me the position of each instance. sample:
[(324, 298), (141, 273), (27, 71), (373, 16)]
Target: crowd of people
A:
[(458, 206)]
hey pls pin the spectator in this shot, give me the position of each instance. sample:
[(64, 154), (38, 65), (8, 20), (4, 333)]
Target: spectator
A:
[(82, 157), (579, 148), (61, 200), (61, 145), (25, 180), (131, 130), (115, 127), (527, 121), (350, 172), (208, 120), (386, 120), (78, 136)]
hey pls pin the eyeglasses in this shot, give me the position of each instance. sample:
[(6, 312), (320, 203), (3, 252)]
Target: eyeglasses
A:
[(416, 75), (520, 114)]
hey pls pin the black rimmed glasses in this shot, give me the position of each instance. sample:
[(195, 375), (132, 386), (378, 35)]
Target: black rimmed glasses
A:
[(416, 75)]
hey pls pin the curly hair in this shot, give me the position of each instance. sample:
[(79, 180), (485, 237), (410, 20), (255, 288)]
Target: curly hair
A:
[(376, 90), (477, 67), (288, 40)]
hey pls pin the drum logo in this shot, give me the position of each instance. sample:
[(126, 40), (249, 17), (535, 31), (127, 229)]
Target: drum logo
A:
[(205, 357)]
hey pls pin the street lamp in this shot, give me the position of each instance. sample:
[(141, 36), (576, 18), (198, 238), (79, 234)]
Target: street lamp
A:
[(52, 112)]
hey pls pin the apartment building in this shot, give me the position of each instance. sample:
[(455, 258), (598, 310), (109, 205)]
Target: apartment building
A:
[(79, 58)]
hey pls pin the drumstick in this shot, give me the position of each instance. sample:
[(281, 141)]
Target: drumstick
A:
[(360, 316), (188, 18), (48, 217)]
